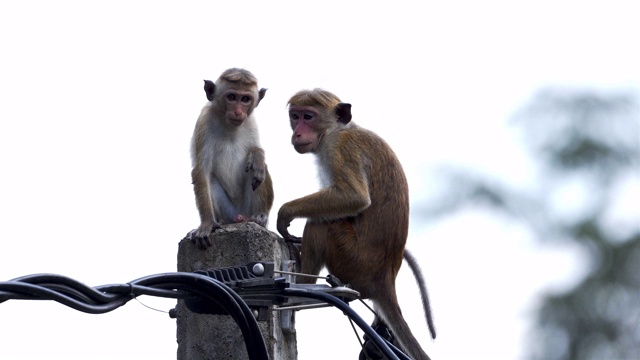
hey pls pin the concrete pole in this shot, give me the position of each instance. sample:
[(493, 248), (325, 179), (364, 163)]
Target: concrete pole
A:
[(208, 337)]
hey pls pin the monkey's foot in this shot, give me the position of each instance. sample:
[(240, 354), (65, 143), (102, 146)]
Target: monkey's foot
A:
[(260, 219), (369, 350), (202, 235)]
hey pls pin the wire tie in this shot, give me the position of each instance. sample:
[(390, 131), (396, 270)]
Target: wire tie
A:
[(133, 296)]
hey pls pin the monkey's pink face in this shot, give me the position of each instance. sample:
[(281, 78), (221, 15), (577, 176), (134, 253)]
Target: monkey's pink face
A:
[(239, 105), (305, 124)]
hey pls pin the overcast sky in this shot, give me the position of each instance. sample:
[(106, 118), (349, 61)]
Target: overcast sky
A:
[(98, 101)]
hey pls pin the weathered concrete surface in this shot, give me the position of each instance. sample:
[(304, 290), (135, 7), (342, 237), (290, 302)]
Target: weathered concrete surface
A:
[(203, 337)]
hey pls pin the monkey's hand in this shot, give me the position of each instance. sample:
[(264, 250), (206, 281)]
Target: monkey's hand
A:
[(283, 222), (201, 235), (256, 164), (291, 238)]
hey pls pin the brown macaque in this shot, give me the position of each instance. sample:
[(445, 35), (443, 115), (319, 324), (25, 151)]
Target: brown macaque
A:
[(357, 224), (230, 177)]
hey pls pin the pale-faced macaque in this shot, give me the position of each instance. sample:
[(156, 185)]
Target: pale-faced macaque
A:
[(230, 177), (357, 224)]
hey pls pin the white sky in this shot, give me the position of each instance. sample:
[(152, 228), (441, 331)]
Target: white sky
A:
[(98, 101)]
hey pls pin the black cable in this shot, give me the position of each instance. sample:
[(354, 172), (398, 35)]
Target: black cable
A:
[(37, 292), (179, 285), (348, 311), (231, 302), (69, 285), (106, 298)]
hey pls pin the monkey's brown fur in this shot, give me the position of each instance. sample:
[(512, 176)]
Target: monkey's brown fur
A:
[(358, 222)]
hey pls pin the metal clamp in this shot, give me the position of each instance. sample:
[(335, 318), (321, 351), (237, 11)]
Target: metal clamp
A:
[(256, 283)]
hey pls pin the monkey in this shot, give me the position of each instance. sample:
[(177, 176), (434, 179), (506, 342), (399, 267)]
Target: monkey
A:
[(357, 224), (230, 178)]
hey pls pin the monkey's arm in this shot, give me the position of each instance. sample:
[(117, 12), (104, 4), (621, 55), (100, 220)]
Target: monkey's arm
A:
[(256, 163), (208, 223), (348, 194)]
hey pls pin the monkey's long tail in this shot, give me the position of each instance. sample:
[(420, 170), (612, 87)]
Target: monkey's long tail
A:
[(417, 272), (389, 310)]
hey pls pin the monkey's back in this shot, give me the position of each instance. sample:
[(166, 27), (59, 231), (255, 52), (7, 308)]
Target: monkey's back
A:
[(389, 191), (381, 228)]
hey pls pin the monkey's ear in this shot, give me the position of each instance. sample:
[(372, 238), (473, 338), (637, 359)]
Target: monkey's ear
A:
[(343, 110), (261, 94), (209, 89)]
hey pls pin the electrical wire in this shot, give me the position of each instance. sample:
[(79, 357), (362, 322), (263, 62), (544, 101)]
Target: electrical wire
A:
[(180, 285), (388, 350), (107, 298)]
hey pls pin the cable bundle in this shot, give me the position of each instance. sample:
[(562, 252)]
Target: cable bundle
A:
[(182, 285), (103, 299)]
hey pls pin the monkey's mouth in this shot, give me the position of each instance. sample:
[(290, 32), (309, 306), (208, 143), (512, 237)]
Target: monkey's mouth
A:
[(302, 148), (236, 122)]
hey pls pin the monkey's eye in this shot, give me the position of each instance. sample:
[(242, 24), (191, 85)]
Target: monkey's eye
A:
[(308, 116), (231, 97), (294, 116), (245, 99)]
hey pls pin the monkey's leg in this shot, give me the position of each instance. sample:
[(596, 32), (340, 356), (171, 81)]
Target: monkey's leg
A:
[(314, 242), (352, 259), (223, 207), (388, 312)]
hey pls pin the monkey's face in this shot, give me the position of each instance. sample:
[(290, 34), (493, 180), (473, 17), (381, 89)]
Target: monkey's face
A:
[(306, 124), (239, 105)]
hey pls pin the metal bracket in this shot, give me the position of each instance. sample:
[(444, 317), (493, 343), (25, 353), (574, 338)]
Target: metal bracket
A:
[(261, 291), (288, 317)]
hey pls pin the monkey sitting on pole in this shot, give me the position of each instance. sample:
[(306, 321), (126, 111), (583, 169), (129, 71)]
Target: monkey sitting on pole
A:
[(230, 177), (357, 224)]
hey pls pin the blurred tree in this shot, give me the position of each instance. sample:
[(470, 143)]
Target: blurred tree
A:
[(588, 147)]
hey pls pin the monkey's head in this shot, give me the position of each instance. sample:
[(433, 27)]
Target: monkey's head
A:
[(312, 113), (235, 94)]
